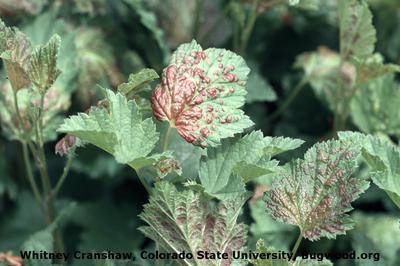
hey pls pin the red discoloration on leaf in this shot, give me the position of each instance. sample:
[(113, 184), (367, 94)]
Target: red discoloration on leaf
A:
[(315, 193), (192, 88)]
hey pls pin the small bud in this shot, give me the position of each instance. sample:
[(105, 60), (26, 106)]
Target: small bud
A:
[(166, 166), (64, 146)]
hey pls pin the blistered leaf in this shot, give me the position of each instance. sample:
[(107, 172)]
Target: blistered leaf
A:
[(119, 130), (201, 92), (137, 81), (15, 49), (42, 67), (96, 63), (384, 159), (225, 168), (375, 106), (357, 33), (186, 221), (315, 193), (372, 67)]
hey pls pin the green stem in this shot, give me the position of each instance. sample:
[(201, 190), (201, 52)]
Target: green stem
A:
[(29, 172), (196, 25), (19, 117), (296, 246), (167, 136), (249, 27), (293, 94), (63, 176)]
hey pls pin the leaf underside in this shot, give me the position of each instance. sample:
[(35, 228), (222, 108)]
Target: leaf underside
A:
[(315, 193)]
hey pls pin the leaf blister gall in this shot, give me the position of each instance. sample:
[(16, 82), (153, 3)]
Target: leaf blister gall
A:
[(200, 94)]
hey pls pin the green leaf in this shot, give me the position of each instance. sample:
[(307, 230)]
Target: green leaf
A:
[(378, 234), (149, 20), (321, 69), (277, 145), (119, 130), (201, 93), (258, 88), (315, 193), (384, 159), (137, 81), (225, 168), (42, 66), (262, 249), (186, 221), (374, 108), (357, 34)]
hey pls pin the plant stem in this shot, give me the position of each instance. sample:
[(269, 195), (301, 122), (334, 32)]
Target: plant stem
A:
[(296, 246), (63, 176), (293, 94), (197, 20), (167, 136), (251, 20), (31, 177)]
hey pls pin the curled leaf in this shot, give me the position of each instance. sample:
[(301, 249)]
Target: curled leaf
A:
[(201, 93)]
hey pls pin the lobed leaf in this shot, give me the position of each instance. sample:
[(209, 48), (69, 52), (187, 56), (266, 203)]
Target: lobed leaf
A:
[(384, 159), (119, 131), (201, 92), (185, 221), (315, 193), (225, 168)]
